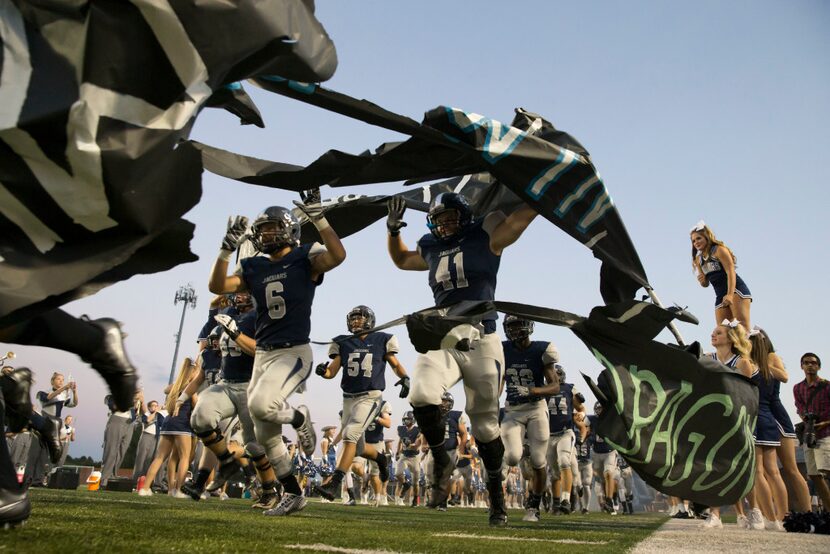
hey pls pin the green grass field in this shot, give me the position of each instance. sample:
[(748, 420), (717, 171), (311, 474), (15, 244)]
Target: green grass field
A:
[(122, 522)]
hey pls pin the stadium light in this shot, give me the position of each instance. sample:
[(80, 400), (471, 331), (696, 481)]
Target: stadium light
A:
[(187, 296)]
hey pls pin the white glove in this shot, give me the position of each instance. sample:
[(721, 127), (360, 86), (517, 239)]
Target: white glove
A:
[(228, 324), (313, 208), (522, 391)]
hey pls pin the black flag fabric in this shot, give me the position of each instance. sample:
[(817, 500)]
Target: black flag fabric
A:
[(545, 167), (234, 99), (683, 422), (95, 98)]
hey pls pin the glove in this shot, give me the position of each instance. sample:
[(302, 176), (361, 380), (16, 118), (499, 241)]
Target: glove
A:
[(312, 208), (404, 383), (228, 324), (521, 391), (237, 226), (394, 221), (321, 369)]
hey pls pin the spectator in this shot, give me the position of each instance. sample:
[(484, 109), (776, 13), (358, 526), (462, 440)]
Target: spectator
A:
[(812, 401), (117, 436), (151, 422), (67, 435)]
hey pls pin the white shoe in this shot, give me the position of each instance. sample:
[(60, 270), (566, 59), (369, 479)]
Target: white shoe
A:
[(289, 504), (779, 526), (384, 501), (223, 496), (673, 510), (773, 525), (399, 502), (532, 514), (712, 522), (756, 520), (305, 432), (179, 494), (145, 492), (743, 522), (205, 495)]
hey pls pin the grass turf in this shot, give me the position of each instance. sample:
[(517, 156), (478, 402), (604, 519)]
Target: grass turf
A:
[(124, 522)]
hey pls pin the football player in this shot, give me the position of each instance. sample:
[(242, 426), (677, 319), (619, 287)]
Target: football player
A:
[(605, 462), (455, 433), (409, 443), (530, 376), (561, 408), (363, 359), (282, 282), (227, 397), (374, 437), (462, 255), (625, 485), (585, 467)]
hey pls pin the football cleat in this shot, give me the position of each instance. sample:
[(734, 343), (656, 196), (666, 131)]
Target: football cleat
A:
[(193, 491), (267, 501), (305, 432), (111, 362), (531, 514), (564, 508), (328, 490), (289, 504), (14, 508)]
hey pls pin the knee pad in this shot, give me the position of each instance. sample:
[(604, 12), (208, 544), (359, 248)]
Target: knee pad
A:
[(430, 423), (254, 450), (204, 436)]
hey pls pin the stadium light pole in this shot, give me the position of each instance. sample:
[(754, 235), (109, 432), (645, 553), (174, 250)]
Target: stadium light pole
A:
[(187, 296)]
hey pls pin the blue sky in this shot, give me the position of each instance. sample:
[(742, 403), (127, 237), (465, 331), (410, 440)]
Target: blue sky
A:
[(712, 110)]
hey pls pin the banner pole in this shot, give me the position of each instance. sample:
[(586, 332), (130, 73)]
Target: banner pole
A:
[(672, 326)]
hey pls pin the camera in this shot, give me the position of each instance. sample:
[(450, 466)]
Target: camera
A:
[(809, 436)]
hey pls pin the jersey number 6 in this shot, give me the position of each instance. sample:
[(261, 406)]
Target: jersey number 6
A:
[(275, 302)]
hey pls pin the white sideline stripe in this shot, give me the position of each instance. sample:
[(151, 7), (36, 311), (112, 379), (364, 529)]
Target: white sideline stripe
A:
[(329, 548), (520, 539)]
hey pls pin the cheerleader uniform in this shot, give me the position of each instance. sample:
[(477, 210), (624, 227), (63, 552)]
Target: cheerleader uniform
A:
[(766, 428), (180, 424), (716, 275), (782, 419)]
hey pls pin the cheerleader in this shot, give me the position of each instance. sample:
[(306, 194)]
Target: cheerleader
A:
[(714, 264), (770, 363)]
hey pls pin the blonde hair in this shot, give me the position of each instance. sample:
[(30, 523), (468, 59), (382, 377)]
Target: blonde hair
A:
[(182, 379), (710, 238), (761, 349), (54, 375), (740, 342)]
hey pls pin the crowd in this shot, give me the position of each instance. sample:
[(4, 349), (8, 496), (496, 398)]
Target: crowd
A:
[(224, 414)]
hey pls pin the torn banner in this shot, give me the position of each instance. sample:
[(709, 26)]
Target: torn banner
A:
[(543, 166), (92, 184), (683, 422)]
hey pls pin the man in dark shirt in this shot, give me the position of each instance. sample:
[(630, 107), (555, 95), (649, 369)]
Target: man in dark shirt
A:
[(812, 396)]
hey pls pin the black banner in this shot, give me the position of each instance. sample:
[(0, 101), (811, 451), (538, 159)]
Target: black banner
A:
[(545, 167), (92, 181)]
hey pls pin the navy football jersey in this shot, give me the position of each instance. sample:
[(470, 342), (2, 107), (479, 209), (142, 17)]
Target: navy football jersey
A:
[(408, 436), (583, 448), (236, 364), (282, 291), (526, 367), (600, 446), (211, 364), (374, 432), (561, 409), (463, 267), (364, 361), (451, 423)]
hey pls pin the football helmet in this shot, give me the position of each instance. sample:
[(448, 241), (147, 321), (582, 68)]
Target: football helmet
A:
[(360, 311), (274, 229), (447, 402), (597, 408), (560, 372), (443, 228), (242, 300), (213, 337), (408, 418), (517, 329)]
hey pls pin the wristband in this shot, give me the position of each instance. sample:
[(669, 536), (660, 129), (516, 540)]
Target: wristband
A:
[(321, 224), (225, 255), (183, 397), (394, 233)]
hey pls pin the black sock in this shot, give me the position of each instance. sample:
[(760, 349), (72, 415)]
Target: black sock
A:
[(249, 470), (492, 455), (225, 457), (351, 493), (290, 485), (432, 427), (202, 477), (58, 329), (298, 419), (269, 487), (8, 474)]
